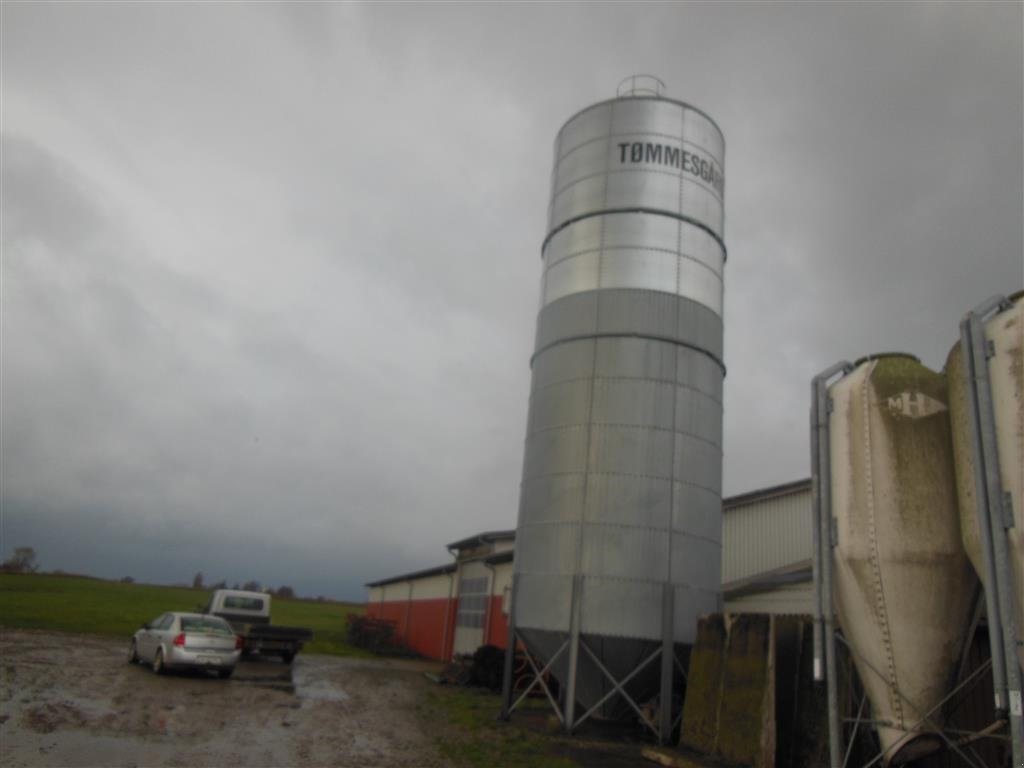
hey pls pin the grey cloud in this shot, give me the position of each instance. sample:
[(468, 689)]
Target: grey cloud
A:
[(270, 272)]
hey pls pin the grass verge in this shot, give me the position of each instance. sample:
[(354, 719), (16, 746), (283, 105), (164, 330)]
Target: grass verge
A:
[(94, 606), (472, 736)]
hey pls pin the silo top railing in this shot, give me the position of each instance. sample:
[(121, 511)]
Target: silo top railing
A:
[(641, 85)]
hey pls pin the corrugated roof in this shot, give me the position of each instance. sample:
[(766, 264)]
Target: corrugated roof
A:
[(766, 493), (482, 538), (762, 582), (501, 557), (437, 571)]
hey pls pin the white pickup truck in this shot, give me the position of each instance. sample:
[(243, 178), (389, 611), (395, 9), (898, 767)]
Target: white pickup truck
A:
[(249, 615)]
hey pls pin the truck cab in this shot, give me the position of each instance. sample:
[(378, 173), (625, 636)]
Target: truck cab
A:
[(249, 615)]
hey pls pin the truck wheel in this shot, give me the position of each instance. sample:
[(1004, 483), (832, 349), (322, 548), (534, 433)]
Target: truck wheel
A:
[(158, 662), (287, 657)]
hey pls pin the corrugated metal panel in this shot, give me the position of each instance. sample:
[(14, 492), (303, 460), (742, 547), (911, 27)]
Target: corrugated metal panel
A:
[(766, 535)]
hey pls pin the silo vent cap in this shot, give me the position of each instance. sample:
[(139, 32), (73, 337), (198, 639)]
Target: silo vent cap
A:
[(641, 85)]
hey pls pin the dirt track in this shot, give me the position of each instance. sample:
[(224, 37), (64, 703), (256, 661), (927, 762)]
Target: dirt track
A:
[(72, 700)]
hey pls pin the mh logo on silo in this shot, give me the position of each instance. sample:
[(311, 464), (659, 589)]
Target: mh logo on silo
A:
[(675, 157)]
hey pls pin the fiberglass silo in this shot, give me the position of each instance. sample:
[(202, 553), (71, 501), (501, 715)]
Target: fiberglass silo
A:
[(903, 586), (619, 531), (1004, 336)]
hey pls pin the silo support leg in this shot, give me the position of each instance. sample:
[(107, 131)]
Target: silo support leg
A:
[(667, 657), (506, 675), (569, 719), (824, 541)]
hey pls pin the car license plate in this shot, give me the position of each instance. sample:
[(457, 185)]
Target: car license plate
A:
[(208, 660)]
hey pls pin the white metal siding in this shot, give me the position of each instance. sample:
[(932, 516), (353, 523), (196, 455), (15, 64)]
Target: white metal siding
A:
[(502, 578), (765, 535), (396, 590), (504, 545), (376, 595), (432, 587)]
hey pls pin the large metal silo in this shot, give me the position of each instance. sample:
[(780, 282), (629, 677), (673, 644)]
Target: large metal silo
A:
[(618, 545)]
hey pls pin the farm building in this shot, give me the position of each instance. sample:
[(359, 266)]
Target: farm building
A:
[(455, 608)]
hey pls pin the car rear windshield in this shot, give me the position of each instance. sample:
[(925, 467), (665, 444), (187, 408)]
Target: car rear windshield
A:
[(243, 603), (209, 626)]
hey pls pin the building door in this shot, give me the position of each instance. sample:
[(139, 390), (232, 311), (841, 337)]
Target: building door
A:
[(474, 590)]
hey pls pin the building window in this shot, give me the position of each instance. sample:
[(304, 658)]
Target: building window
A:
[(472, 602)]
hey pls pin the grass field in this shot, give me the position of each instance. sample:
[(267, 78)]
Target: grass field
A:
[(94, 606)]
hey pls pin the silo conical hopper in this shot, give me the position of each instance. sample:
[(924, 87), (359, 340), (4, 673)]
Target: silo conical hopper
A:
[(904, 589), (1005, 332)]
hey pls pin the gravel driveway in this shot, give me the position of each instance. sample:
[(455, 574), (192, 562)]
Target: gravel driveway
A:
[(73, 700)]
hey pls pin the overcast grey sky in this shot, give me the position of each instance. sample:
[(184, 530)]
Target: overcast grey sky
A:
[(270, 272)]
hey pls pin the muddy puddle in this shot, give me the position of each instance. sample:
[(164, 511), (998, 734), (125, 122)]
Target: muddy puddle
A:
[(69, 700)]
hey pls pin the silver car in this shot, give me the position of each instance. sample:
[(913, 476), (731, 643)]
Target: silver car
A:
[(187, 641)]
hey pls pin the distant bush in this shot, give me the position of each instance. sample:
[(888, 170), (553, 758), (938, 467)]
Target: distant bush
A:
[(377, 635), (22, 561)]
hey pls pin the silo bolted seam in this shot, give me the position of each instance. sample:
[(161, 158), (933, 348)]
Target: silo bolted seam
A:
[(653, 211)]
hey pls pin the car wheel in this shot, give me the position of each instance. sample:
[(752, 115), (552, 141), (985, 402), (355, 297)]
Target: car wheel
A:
[(133, 653), (224, 674), (158, 662)]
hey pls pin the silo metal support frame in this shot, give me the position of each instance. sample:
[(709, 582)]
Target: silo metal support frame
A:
[(925, 719), (994, 520), (824, 540), (507, 705), (575, 642)]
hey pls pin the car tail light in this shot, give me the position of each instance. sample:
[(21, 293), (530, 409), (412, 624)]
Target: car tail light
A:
[(239, 642), (180, 639)]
